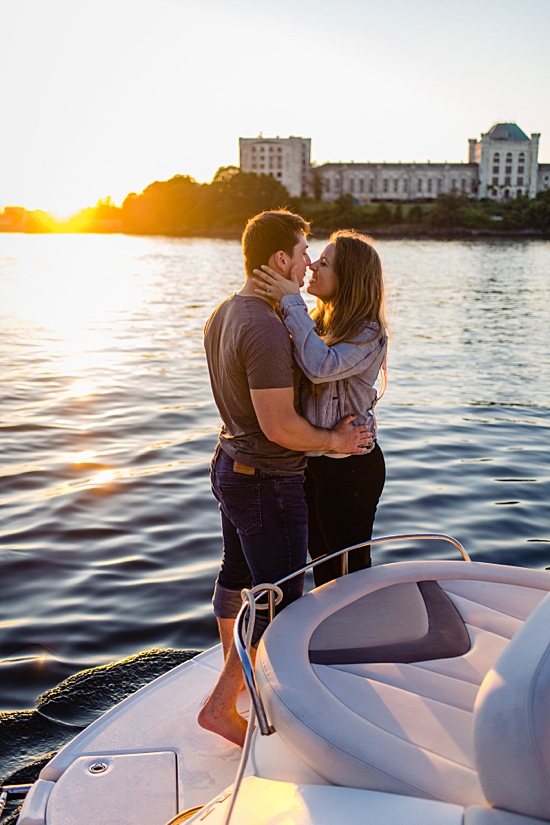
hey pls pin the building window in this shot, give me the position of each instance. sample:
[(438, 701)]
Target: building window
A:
[(474, 187), (271, 148), (262, 149), (406, 185), (495, 181), (254, 164), (496, 170), (508, 170), (429, 184), (546, 182), (509, 157), (419, 185), (453, 185), (520, 181), (279, 163), (494, 193), (506, 194), (327, 184), (361, 185), (271, 163), (253, 148), (385, 186), (337, 183), (507, 181), (496, 158), (521, 170), (463, 184), (440, 185), (395, 185), (352, 184), (371, 185), (279, 149), (519, 193)]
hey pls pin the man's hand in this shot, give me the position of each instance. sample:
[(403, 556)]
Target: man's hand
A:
[(280, 423), (349, 438)]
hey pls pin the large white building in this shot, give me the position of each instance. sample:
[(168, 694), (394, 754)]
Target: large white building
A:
[(502, 165), (286, 159)]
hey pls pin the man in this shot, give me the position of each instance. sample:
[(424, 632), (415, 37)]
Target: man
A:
[(257, 472)]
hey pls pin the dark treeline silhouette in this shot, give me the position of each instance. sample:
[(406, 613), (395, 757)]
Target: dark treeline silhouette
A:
[(182, 207)]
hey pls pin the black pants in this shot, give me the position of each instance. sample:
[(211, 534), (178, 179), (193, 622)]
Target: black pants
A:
[(342, 495)]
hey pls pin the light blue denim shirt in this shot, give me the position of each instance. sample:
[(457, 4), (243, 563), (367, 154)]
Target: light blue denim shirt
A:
[(346, 371)]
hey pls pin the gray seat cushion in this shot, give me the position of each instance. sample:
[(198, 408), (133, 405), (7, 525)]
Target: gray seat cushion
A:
[(408, 622), (399, 727)]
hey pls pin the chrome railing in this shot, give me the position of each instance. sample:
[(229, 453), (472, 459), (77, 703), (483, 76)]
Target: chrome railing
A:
[(16, 791), (243, 648)]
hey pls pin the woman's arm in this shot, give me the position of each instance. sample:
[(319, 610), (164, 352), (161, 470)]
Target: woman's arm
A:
[(320, 362)]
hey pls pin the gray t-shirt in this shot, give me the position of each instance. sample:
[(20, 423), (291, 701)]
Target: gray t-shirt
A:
[(248, 348)]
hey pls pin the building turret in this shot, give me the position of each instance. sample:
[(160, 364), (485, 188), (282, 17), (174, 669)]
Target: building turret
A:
[(534, 165)]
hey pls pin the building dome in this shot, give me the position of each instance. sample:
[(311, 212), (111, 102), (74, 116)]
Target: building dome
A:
[(506, 131)]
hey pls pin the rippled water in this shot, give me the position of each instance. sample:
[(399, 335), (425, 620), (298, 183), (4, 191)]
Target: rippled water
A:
[(109, 535)]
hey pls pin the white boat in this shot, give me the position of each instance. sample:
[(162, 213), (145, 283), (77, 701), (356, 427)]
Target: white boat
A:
[(413, 692)]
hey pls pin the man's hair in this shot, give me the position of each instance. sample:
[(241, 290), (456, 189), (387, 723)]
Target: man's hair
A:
[(270, 232)]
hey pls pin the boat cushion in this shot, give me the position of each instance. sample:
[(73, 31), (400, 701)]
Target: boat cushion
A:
[(512, 722), (401, 727), (408, 622)]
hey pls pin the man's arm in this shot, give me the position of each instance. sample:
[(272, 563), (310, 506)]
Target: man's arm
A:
[(280, 423)]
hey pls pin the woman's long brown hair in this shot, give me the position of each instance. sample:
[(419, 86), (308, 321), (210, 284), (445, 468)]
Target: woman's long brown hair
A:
[(360, 296)]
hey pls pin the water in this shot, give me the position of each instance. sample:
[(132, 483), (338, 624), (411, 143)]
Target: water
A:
[(109, 535)]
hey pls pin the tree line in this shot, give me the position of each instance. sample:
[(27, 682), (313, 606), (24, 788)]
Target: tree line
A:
[(182, 207)]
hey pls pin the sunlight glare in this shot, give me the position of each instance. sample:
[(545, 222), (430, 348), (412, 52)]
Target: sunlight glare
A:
[(82, 457), (104, 477), (82, 387)]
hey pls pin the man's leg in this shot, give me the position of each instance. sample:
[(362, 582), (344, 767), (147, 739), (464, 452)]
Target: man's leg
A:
[(271, 524), (225, 629), (219, 713)]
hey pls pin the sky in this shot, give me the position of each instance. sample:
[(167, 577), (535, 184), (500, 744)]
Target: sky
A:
[(102, 98)]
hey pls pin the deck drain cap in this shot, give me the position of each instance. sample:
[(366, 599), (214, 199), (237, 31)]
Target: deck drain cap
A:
[(97, 767)]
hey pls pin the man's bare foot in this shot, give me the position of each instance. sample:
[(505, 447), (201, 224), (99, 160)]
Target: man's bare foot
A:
[(225, 722)]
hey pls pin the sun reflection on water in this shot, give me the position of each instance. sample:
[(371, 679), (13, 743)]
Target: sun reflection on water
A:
[(82, 388), (67, 290), (104, 477), (82, 457)]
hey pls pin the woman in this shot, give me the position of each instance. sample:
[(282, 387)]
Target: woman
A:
[(341, 348)]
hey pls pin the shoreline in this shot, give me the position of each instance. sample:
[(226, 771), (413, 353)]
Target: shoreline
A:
[(406, 232)]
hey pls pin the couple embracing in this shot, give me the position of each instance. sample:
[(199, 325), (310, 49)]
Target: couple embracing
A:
[(297, 466)]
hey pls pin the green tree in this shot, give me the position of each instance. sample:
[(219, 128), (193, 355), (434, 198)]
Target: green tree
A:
[(415, 214), (317, 184), (382, 215), (225, 173), (539, 212), (228, 202), (164, 207), (448, 211)]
